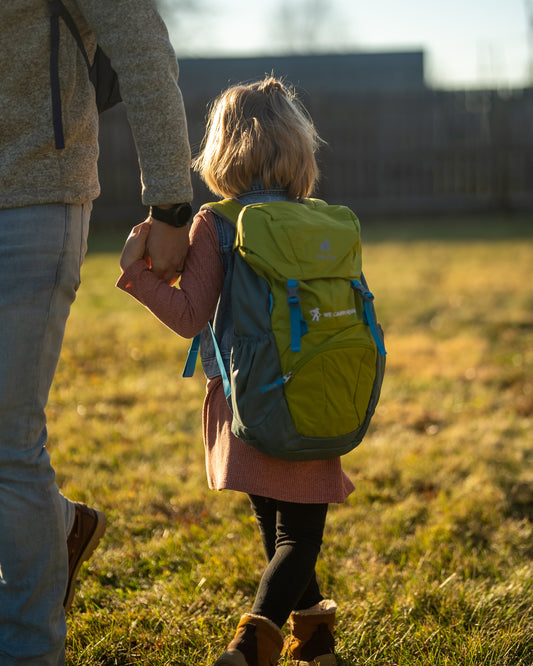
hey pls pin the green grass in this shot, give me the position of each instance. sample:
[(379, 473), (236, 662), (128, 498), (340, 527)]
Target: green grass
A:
[(430, 559)]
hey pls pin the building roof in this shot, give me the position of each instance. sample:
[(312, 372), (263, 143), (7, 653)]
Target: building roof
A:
[(333, 73)]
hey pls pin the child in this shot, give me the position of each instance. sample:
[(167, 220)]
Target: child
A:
[(259, 146)]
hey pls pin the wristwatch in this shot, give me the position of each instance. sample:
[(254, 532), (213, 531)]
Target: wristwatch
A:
[(177, 216)]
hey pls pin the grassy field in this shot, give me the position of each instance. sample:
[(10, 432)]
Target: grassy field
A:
[(430, 559)]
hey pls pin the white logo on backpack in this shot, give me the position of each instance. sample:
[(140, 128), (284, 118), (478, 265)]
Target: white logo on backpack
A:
[(325, 246), (316, 314)]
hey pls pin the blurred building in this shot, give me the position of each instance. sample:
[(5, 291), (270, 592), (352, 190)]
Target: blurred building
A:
[(204, 78), (394, 145)]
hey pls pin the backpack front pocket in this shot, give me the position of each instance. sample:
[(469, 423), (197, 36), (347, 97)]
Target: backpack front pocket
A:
[(329, 391)]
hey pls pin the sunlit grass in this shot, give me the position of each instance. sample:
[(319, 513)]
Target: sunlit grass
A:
[(430, 559)]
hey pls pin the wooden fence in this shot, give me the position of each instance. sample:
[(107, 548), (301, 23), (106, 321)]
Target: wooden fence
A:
[(387, 154)]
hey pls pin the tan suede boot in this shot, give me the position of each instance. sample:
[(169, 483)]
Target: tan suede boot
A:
[(257, 642), (311, 642)]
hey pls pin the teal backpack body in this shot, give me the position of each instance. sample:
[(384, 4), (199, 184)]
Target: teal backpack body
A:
[(308, 357)]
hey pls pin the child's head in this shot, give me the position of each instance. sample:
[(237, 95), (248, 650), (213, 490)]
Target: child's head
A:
[(258, 131)]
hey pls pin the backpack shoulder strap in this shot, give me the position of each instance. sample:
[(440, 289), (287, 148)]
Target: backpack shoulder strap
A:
[(57, 9), (230, 209), (192, 356)]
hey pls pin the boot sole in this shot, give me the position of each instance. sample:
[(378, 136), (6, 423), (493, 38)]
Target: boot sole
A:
[(231, 658), (323, 660)]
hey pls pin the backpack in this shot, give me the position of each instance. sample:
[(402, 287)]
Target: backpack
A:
[(308, 356), (101, 73)]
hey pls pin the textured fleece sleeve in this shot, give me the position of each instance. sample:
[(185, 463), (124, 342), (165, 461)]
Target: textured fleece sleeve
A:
[(136, 40), (185, 310)]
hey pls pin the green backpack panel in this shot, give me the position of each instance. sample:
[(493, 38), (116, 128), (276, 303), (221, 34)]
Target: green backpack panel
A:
[(308, 358)]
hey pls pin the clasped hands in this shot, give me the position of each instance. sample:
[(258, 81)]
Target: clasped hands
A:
[(164, 248)]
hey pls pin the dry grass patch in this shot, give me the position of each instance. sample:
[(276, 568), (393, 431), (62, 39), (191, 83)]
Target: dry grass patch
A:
[(430, 559)]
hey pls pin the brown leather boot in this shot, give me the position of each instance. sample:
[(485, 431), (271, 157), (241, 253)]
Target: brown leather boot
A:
[(257, 642), (87, 530), (311, 642)]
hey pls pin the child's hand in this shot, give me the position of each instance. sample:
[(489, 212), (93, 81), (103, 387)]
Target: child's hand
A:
[(135, 246)]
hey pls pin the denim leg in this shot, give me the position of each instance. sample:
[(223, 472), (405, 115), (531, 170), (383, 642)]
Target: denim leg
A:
[(41, 251)]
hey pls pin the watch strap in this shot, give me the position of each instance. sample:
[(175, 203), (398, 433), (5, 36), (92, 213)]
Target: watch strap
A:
[(177, 216)]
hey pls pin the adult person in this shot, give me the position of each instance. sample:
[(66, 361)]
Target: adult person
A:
[(45, 204)]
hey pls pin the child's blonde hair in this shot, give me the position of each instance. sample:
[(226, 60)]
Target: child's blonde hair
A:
[(258, 131)]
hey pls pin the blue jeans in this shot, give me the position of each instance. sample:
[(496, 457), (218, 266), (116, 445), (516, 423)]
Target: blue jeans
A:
[(41, 251)]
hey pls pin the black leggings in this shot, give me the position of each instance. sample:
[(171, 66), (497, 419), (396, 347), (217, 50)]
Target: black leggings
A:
[(292, 536)]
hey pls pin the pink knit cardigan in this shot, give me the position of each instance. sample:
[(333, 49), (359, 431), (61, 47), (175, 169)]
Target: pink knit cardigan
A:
[(230, 463)]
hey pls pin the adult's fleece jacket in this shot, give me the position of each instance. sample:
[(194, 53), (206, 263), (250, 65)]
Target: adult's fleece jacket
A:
[(32, 170)]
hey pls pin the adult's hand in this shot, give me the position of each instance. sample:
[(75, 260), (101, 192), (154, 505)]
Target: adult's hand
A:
[(135, 245), (167, 248)]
